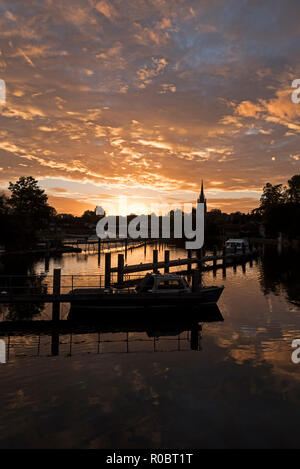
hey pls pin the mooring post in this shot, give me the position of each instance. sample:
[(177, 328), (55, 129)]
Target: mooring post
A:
[(235, 258), (155, 260), (99, 249), (107, 269), (56, 293), (224, 257), (120, 268), (195, 280), (167, 260), (215, 258), (199, 257), (251, 258), (47, 258), (194, 338), (189, 265), (55, 343)]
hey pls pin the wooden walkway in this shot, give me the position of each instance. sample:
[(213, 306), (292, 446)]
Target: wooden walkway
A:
[(122, 276), (200, 260)]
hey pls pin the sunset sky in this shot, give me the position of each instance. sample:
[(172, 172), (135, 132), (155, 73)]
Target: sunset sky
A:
[(144, 98)]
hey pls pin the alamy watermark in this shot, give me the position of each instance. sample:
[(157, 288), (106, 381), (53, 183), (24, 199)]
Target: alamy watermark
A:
[(176, 224), (296, 352), (2, 351), (296, 93), (2, 92)]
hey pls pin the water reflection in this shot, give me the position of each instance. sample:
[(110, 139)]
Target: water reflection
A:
[(227, 384), (22, 285), (42, 338), (280, 271)]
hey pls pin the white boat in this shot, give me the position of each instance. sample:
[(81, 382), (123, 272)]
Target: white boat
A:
[(237, 245)]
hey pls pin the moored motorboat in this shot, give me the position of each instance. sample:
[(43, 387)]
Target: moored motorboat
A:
[(155, 291), (237, 246)]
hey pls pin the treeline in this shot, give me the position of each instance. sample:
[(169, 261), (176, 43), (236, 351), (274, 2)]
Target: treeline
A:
[(279, 208), (278, 212), (26, 218)]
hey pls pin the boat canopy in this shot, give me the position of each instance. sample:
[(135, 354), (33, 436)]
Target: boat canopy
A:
[(237, 241)]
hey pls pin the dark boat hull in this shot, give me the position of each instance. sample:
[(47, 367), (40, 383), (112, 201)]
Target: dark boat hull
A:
[(113, 302), (146, 317)]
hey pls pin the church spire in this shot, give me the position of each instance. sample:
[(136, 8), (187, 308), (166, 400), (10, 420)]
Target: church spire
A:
[(201, 199)]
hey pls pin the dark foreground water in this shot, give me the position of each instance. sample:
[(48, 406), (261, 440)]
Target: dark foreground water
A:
[(236, 387)]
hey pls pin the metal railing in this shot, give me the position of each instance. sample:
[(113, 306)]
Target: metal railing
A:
[(96, 343), (41, 284)]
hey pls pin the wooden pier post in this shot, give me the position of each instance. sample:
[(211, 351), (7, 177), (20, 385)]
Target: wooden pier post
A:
[(55, 343), (155, 260), (199, 257), (47, 258), (167, 260), (99, 250), (235, 259), (120, 269), (189, 266), (224, 262), (107, 269), (224, 257), (195, 280), (56, 293), (215, 258), (194, 343)]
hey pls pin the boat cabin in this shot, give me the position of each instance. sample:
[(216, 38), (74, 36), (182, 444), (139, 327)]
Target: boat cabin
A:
[(237, 244), (163, 283)]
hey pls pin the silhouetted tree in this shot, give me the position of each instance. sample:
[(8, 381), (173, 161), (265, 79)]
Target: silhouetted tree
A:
[(90, 216), (29, 210), (293, 191), (280, 208), (272, 196)]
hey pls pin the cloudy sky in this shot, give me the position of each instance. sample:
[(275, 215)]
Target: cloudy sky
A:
[(141, 99)]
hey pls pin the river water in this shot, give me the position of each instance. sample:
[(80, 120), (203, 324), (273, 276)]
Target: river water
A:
[(231, 384)]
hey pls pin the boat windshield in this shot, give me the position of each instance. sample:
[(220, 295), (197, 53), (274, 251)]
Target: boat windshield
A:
[(172, 284)]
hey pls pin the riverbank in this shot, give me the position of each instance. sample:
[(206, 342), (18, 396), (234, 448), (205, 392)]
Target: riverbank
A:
[(43, 251)]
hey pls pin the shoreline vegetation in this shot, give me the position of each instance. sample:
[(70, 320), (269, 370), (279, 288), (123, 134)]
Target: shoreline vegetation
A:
[(30, 225)]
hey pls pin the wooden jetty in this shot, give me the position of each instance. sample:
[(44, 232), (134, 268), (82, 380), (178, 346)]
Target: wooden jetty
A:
[(123, 276)]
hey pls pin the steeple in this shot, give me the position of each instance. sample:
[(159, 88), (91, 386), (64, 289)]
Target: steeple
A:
[(201, 199)]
